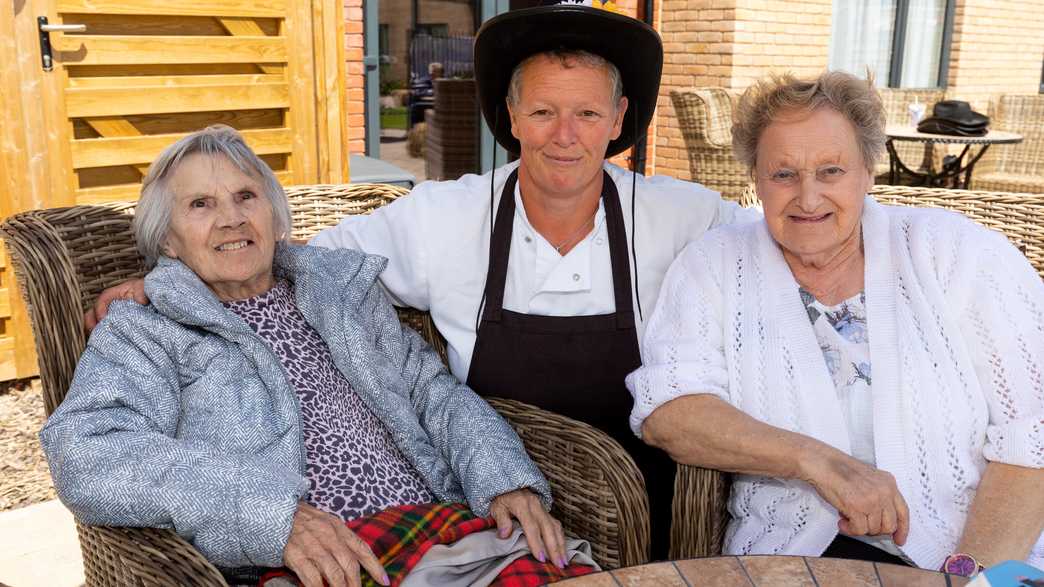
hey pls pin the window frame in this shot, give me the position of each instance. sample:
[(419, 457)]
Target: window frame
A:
[(895, 64)]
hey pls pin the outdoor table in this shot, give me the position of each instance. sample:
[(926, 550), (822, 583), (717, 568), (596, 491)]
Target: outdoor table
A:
[(952, 170), (760, 571)]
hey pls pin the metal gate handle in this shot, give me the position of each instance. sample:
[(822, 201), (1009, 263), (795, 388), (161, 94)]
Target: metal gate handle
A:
[(45, 38), (63, 28)]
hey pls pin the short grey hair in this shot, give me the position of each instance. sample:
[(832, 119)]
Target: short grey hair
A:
[(855, 99), (568, 58), (152, 217)]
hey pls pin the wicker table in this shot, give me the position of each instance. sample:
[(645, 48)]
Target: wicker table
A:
[(754, 571), (953, 168)]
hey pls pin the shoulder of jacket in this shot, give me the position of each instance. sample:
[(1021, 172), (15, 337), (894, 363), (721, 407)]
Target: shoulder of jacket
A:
[(129, 323)]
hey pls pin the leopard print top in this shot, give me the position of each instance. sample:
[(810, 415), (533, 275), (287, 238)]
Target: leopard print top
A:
[(354, 467)]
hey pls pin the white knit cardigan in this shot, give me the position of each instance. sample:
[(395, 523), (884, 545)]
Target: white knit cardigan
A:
[(955, 316)]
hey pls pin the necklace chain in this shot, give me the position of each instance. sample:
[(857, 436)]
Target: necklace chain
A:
[(558, 247)]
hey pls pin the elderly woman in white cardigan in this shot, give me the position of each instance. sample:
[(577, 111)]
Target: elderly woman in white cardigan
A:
[(874, 375)]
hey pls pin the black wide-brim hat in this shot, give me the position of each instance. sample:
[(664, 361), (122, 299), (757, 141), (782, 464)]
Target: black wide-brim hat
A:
[(959, 112), (955, 117), (631, 45)]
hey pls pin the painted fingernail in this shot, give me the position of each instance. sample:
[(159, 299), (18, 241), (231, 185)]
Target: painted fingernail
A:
[(541, 557), (385, 580), (563, 563)]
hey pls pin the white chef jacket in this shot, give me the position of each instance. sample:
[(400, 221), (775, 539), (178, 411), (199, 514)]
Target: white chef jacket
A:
[(436, 240)]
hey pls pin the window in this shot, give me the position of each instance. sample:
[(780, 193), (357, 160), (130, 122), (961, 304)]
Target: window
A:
[(904, 43), (435, 30)]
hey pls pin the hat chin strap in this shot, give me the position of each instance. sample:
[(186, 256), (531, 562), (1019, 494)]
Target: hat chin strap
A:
[(492, 192), (634, 227)]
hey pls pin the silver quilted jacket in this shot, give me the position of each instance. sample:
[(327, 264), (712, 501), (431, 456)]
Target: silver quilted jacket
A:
[(180, 417)]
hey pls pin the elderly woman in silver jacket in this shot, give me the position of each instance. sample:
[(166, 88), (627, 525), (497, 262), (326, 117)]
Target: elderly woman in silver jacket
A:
[(269, 392)]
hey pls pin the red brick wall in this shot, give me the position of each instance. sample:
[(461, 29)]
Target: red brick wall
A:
[(354, 76), (997, 49), (730, 43)]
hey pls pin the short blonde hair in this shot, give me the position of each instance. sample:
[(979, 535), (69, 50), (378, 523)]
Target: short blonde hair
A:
[(855, 99)]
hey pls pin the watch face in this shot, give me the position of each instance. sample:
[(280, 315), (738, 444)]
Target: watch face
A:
[(961, 564)]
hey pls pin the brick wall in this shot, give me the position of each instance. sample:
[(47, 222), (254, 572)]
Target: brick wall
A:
[(730, 43), (772, 36), (997, 49), (355, 80)]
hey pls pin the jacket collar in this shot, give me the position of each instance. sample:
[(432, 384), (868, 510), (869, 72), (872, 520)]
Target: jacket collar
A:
[(320, 276)]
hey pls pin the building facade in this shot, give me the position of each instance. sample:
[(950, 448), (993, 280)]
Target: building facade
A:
[(981, 48)]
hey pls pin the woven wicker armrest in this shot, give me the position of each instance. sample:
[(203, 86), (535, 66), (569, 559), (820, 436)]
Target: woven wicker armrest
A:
[(143, 556), (599, 491), (699, 512)]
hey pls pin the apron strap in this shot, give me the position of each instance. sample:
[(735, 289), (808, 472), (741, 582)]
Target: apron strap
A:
[(614, 223), (500, 249)]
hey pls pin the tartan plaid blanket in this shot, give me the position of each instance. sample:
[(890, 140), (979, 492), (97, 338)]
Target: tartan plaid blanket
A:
[(400, 536)]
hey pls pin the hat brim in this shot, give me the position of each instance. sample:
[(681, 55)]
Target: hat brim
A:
[(631, 45)]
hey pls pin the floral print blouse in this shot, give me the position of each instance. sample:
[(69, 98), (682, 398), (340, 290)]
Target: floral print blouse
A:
[(843, 338), (845, 342)]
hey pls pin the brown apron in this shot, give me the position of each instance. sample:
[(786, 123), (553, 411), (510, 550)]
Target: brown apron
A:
[(574, 366)]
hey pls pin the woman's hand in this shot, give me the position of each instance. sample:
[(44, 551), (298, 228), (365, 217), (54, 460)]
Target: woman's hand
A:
[(132, 289), (866, 497), (543, 533), (322, 548)]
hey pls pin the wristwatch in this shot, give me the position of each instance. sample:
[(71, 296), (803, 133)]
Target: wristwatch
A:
[(961, 564)]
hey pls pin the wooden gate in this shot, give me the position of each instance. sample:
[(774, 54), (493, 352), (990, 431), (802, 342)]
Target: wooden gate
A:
[(140, 75)]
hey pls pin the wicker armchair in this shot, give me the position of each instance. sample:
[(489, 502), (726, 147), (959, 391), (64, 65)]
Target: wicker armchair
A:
[(895, 102), (65, 257), (1015, 168), (705, 120)]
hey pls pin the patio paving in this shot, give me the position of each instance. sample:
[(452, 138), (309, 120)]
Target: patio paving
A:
[(38, 547), (393, 150)]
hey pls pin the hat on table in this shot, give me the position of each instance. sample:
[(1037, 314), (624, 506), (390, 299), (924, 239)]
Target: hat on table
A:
[(632, 46), (955, 117)]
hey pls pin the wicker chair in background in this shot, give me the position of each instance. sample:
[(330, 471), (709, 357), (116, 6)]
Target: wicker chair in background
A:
[(65, 257), (705, 120), (896, 102), (1019, 167)]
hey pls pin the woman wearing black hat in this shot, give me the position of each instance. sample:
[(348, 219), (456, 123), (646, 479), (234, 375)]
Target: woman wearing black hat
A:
[(541, 273)]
